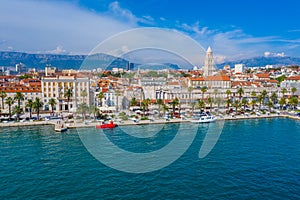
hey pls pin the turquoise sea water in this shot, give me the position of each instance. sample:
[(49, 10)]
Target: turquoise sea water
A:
[(253, 159)]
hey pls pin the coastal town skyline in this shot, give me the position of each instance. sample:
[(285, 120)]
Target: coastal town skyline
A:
[(234, 30)]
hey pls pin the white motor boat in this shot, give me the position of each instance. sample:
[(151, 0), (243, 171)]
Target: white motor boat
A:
[(204, 118), (60, 126)]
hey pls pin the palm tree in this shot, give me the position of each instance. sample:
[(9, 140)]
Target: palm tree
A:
[(294, 90), (270, 105), (94, 110), (52, 103), (37, 104), (193, 104), (293, 101), (283, 91), (201, 104), (165, 108), (174, 103), (244, 103), (159, 103), (240, 91), (83, 108), (29, 105), (117, 94), (210, 102), (9, 101), (190, 90), (253, 94), (228, 93), (260, 98), (3, 95), (228, 102), (133, 101), (218, 101), (83, 95), (216, 92), (17, 110), (19, 97), (68, 94), (203, 90), (264, 95), (281, 102), (253, 103), (236, 104), (145, 104), (273, 97), (100, 97)]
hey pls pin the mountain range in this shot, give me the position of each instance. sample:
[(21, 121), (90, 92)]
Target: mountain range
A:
[(39, 61), (263, 61)]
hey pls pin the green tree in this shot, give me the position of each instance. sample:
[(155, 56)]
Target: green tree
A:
[(253, 103), (281, 102), (3, 95), (83, 108), (165, 108), (117, 94), (203, 90), (83, 95), (190, 90), (100, 97), (218, 101), (159, 102), (270, 105), (293, 101), (210, 102), (216, 91), (37, 105), (19, 97), (274, 97), (52, 103), (174, 103), (240, 92), (193, 104), (260, 98), (133, 101), (244, 103), (29, 105), (294, 90), (17, 110), (264, 94), (228, 93), (283, 91), (201, 104), (253, 94), (68, 94), (236, 104), (94, 110), (9, 101), (228, 103)]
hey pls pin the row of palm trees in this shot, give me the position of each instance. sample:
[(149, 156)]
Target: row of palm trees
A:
[(261, 98), (36, 104)]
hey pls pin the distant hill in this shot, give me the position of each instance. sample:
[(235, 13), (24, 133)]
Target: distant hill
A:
[(39, 61), (263, 61)]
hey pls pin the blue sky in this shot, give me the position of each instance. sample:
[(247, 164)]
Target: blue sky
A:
[(234, 29)]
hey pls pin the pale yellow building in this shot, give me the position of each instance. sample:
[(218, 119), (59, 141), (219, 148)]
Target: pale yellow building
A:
[(56, 88)]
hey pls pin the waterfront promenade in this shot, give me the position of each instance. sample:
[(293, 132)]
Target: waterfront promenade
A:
[(142, 122)]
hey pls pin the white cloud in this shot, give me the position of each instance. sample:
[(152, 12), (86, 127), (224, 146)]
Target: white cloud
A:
[(127, 15), (271, 54), (32, 26), (58, 50)]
